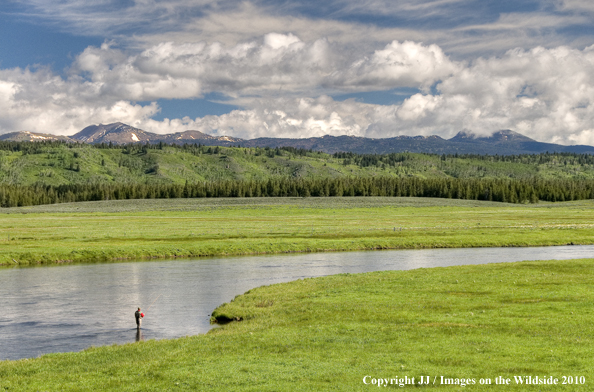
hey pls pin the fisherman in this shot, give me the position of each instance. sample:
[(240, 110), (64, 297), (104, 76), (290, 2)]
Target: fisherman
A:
[(139, 317)]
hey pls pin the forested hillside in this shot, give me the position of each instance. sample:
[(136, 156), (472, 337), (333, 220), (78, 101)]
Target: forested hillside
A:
[(49, 172)]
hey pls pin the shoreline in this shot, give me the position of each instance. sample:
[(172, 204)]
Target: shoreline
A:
[(115, 231), (304, 251)]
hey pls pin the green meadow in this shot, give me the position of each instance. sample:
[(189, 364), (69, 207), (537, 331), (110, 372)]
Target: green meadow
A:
[(467, 324), (145, 229)]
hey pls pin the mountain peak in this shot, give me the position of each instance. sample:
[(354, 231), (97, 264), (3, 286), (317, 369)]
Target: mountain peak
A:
[(503, 142), (120, 133), (503, 136), (27, 136), (115, 133)]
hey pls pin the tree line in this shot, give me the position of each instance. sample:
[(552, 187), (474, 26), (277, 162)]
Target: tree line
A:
[(392, 159), (501, 190)]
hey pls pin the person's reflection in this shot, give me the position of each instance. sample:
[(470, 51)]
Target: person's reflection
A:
[(139, 335)]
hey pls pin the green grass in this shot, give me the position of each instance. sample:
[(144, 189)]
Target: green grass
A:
[(471, 322), (136, 229)]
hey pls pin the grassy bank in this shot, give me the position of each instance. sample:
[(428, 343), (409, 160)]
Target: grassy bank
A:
[(137, 229), (470, 322)]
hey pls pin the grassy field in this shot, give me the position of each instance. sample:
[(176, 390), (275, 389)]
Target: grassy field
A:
[(141, 229), (462, 323)]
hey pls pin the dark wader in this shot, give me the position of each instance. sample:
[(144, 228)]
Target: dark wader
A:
[(138, 319)]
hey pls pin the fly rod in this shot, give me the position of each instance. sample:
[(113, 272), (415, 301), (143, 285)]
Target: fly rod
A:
[(153, 302)]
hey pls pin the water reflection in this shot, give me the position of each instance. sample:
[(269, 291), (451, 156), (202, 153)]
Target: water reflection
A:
[(70, 308)]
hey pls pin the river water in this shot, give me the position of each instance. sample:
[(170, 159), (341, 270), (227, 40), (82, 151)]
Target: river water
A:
[(71, 307)]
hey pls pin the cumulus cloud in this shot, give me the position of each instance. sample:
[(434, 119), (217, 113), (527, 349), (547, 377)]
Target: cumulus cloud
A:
[(283, 85), (37, 100), (547, 94), (544, 93), (406, 64), (104, 82), (168, 70), (275, 64), (280, 117)]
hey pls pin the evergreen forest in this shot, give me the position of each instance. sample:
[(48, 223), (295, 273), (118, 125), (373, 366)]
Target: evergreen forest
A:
[(33, 173)]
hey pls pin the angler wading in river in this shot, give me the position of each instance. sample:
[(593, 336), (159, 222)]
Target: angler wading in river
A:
[(138, 315)]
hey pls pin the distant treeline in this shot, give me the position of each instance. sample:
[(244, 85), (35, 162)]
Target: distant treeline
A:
[(567, 158), (502, 190), (363, 160), (31, 148)]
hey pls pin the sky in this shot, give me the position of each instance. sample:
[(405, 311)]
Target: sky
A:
[(300, 68)]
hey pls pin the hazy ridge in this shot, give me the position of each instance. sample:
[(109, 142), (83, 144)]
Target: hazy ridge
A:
[(504, 142)]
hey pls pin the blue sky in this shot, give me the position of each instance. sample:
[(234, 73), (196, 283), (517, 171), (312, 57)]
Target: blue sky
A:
[(375, 68)]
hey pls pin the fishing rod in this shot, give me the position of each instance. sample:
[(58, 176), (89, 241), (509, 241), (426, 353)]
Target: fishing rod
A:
[(143, 314), (153, 302)]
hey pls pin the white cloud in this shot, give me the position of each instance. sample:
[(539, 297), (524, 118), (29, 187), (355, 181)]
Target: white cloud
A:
[(282, 83), (461, 28), (281, 117), (277, 64), (546, 94), (40, 101), (417, 107), (103, 82), (406, 64)]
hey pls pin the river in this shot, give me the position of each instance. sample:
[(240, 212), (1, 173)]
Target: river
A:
[(72, 307)]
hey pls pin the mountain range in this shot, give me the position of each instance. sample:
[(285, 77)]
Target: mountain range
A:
[(504, 142)]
